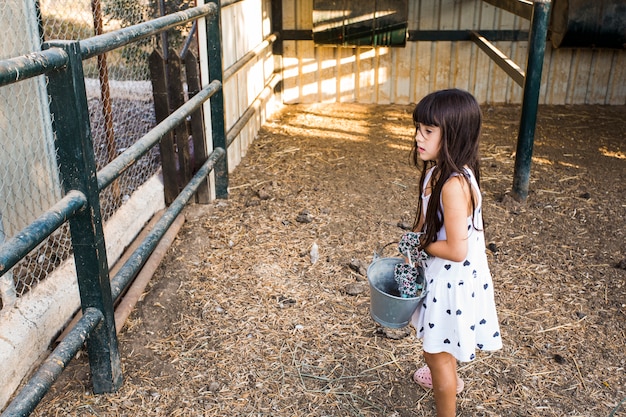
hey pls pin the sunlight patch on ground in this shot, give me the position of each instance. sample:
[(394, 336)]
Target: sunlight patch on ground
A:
[(542, 161), (399, 147), (612, 154)]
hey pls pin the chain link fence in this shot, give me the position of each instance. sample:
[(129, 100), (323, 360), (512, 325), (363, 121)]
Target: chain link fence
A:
[(121, 111)]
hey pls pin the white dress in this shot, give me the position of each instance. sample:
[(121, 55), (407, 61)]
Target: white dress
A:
[(458, 314)]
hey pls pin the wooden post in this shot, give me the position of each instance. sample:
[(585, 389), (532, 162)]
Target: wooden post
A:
[(200, 153), (161, 110), (176, 97)]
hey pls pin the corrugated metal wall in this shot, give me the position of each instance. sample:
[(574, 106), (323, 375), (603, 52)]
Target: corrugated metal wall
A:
[(404, 75)]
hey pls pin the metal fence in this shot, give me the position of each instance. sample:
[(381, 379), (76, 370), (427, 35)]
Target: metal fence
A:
[(83, 184), (121, 110)]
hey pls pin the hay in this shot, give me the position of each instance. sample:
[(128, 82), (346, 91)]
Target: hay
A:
[(239, 322)]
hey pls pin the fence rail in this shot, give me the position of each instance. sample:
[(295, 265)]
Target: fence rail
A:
[(32, 235), (21, 68), (100, 44), (27, 399), (62, 63)]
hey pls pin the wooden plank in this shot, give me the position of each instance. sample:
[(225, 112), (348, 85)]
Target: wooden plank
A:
[(600, 73), (289, 14), (310, 65), (256, 80), (234, 153), (266, 21), (309, 91), (486, 16), (367, 75), (462, 51), (241, 37), (248, 133), (617, 85), (305, 14), (422, 69), (176, 100), (518, 54), (557, 78), (484, 66), (579, 76), (251, 11), (499, 57), (412, 47), (383, 76), (479, 82), (402, 85), (346, 74), (461, 55), (244, 92), (414, 13), (231, 102), (161, 110), (499, 77), (229, 37), (268, 65), (428, 15), (447, 14), (291, 73), (440, 66), (199, 152), (327, 81), (506, 21)]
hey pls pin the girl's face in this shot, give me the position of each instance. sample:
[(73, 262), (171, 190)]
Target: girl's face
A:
[(428, 139)]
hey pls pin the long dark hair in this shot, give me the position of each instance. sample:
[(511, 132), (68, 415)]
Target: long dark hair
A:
[(457, 114)]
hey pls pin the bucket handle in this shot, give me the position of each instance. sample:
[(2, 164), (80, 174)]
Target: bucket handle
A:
[(379, 253)]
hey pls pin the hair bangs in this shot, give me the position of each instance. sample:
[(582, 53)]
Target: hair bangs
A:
[(427, 112)]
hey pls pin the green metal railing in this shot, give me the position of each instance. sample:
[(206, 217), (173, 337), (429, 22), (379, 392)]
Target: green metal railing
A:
[(538, 12), (62, 63), (530, 101)]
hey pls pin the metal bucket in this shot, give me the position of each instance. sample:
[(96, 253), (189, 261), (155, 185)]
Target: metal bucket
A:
[(386, 306)]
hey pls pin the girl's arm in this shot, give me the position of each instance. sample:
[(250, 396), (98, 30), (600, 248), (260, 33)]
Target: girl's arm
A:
[(456, 200)]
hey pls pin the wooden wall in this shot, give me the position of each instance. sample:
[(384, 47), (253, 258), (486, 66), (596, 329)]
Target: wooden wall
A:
[(244, 27), (404, 75)]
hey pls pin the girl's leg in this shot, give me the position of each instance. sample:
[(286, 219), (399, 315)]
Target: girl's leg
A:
[(443, 370)]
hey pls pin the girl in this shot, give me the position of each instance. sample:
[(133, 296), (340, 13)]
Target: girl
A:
[(458, 314)]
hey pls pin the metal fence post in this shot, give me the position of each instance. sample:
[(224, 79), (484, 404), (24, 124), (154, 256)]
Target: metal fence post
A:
[(78, 172), (532, 84), (216, 72)]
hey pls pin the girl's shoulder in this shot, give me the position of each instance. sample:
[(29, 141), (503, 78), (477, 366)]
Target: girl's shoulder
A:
[(455, 186), (458, 189)]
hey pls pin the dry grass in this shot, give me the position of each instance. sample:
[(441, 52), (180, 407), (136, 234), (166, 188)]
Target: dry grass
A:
[(239, 322)]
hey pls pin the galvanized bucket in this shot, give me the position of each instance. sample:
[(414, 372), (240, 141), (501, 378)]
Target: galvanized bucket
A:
[(386, 306)]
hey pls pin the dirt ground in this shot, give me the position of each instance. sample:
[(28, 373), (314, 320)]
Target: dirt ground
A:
[(238, 320)]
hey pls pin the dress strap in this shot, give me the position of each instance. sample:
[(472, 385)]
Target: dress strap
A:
[(429, 174)]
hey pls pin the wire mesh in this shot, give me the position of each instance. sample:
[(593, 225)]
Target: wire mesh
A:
[(28, 172), (121, 111)]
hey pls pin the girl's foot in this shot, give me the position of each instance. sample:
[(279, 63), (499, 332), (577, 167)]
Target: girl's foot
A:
[(423, 378)]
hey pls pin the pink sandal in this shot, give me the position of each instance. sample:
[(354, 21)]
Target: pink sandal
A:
[(423, 378)]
